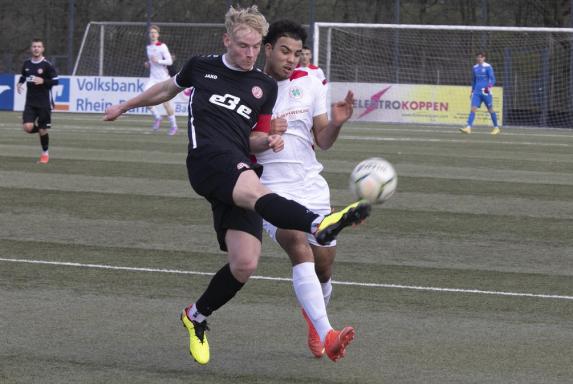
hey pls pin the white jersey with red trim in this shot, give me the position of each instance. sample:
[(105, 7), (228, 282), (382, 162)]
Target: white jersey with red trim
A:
[(313, 70), (158, 71), (299, 100)]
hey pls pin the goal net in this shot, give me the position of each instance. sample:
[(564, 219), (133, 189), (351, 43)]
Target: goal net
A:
[(430, 64), (118, 49)]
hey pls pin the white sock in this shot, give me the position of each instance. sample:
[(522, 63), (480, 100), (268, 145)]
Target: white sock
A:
[(155, 113), (172, 121), (195, 315), (326, 291), (309, 294)]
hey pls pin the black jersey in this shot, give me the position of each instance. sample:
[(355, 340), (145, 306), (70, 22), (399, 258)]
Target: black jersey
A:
[(39, 95), (225, 104)]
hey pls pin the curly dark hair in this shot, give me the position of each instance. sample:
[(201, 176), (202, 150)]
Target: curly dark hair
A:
[(284, 28)]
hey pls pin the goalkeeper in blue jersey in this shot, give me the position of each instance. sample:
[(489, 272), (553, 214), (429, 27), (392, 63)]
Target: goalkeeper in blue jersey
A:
[(483, 80)]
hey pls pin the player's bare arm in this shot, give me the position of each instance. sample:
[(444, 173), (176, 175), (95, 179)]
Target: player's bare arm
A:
[(261, 141), (159, 93), (326, 131)]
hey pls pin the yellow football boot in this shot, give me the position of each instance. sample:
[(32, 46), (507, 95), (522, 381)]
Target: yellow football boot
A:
[(495, 131), (466, 130), (333, 223), (198, 344)]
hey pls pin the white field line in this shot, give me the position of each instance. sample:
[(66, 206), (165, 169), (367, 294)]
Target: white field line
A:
[(428, 140), (256, 277), (455, 131)]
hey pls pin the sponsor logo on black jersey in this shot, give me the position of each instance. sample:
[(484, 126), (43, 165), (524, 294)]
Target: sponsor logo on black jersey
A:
[(231, 102)]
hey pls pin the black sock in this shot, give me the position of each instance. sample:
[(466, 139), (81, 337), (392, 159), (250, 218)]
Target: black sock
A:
[(45, 141), (284, 213), (221, 289)]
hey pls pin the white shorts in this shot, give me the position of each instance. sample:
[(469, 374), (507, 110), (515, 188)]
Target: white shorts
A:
[(314, 195)]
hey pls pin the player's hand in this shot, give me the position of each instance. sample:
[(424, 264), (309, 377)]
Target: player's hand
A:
[(278, 126), (19, 88), (38, 80), (146, 64), (342, 110), (276, 143), (113, 112)]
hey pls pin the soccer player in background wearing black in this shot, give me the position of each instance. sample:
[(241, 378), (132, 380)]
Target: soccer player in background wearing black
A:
[(230, 117), (40, 76)]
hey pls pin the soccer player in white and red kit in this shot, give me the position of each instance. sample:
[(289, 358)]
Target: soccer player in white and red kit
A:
[(306, 65), (159, 59), (294, 173)]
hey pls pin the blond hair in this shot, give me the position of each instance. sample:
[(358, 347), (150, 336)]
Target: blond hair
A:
[(250, 17), (153, 26)]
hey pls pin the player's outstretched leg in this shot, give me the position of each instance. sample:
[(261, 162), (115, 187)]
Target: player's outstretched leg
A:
[(198, 344), (332, 224)]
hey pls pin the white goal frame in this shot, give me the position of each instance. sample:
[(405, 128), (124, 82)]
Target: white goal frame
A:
[(322, 45)]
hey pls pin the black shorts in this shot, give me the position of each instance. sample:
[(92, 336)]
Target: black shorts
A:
[(43, 114), (213, 175)]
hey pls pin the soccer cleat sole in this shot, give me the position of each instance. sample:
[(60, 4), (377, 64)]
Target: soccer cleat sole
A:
[(353, 216)]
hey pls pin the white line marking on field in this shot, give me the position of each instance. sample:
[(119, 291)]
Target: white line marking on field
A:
[(427, 140), (256, 277), (455, 131)]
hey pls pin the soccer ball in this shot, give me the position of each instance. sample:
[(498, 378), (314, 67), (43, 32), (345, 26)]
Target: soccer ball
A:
[(374, 180)]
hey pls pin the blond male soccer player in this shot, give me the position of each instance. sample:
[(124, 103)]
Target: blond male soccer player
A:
[(40, 76), (230, 97), (159, 59), (294, 173), (305, 64)]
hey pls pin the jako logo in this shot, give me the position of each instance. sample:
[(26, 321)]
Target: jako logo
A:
[(211, 76)]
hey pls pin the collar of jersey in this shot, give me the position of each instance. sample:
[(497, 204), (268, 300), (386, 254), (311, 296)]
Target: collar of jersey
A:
[(39, 61)]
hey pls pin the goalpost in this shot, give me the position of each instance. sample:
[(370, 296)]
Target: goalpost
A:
[(118, 48), (425, 64)]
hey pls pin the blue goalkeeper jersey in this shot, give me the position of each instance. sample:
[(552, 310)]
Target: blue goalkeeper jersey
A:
[(483, 77)]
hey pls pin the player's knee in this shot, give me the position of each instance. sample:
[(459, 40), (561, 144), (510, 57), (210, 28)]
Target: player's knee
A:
[(28, 127), (324, 272), (243, 268)]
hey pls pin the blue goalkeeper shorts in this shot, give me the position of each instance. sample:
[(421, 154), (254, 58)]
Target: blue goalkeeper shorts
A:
[(479, 97)]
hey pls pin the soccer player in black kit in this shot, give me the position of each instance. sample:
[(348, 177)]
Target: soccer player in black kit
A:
[(40, 76), (231, 103)]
